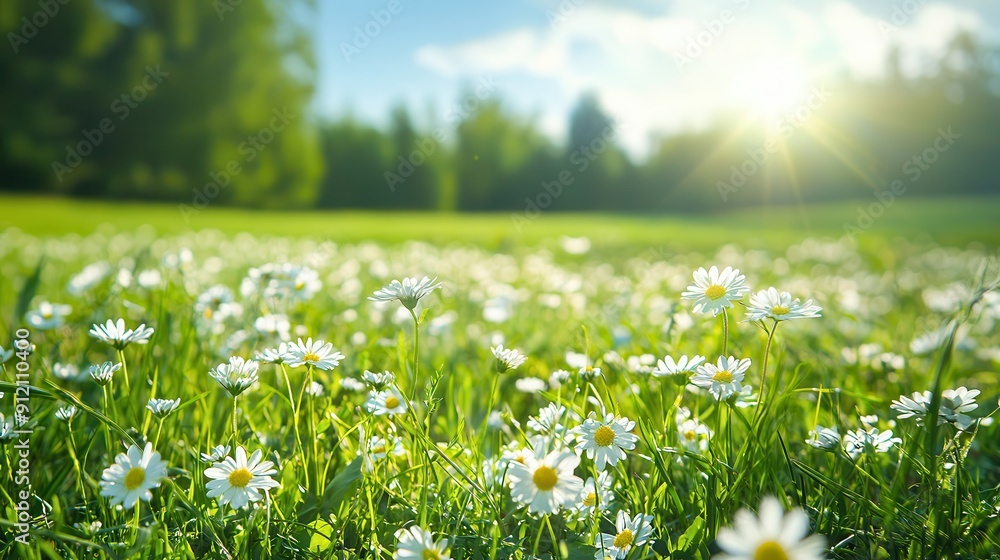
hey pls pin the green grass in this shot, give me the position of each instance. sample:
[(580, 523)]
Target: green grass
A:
[(931, 495), (950, 221)]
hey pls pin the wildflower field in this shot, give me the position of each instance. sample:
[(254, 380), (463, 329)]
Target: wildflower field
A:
[(238, 395)]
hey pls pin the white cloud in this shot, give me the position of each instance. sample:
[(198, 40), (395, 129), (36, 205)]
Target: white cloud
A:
[(630, 59)]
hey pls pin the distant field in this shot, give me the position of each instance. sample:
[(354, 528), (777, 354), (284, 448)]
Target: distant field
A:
[(954, 221)]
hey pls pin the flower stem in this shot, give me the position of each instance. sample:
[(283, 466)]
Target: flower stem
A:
[(236, 439), (416, 353), (725, 332), (295, 411), (763, 369)]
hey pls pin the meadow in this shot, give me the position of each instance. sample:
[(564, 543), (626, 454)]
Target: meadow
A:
[(352, 385)]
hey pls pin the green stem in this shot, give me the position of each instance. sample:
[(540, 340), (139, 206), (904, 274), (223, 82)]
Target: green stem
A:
[(725, 332), (416, 353), (763, 369), (236, 439), (295, 411)]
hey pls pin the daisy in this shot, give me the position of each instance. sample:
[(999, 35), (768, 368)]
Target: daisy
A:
[(379, 380), (773, 534), (68, 372), (680, 370), (319, 354), (417, 544), (827, 439), (723, 379), (507, 359), (873, 441), (954, 404), (632, 532), (545, 483), (530, 385), (693, 434), (606, 442), (352, 385), (216, 454), (161, 408), (277, 355), (67, 413), (596, 494), (115, 334), (378, 448), (389, 402), (6, 429), (236, 376), (133, 476), (713, 291), (48, 315), (104, 373), (238, 482), (780, 306), (408, 292)]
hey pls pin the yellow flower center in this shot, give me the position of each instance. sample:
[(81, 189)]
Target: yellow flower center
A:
[(780, 310), (624, 539), (378, 449), (135, 477), (723, 376), (604, 436), (545, 478), (690, 435), (770, 550), (431, 554), (590, 500), (310, 357), (208, 313), (391, 402), (46, 314), (240, 478), (714, 292)]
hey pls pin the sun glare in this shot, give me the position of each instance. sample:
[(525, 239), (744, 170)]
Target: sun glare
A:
[(771, 88)]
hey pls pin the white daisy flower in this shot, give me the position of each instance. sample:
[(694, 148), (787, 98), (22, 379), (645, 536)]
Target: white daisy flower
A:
[(773, 534), (872, 441), (693, 434), (682, 368), (530, 385), (559, 378), (238, 481), (589, 373), (315, 389), (216, 454), (379, 380), (104, 373), (68, 372), (417, 544), (632, 532), (276, 325), (216, 304), (352, 385), (606, 441), (722, 379), (48, 315), (954, 404), (236, 376), (133, 476), (507, 359), (827, 439), (277, 355), (746, 397), (545, 483), (387, 402), (780, 306), (548, 419), (115, 334), (67, 413), (88, 278), (597, 494), (713, 291), (161, 408), (318, 354), (378, 448), (6, 429), (409, 292)]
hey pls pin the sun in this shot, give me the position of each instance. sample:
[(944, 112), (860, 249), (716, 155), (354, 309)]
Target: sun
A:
[(771, 88)]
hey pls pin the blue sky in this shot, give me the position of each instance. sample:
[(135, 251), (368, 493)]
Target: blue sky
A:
[(634, 54)]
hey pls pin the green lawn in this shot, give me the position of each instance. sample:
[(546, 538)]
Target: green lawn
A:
[(950, 221)]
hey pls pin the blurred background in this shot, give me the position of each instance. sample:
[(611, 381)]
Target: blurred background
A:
[(631, 106)]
